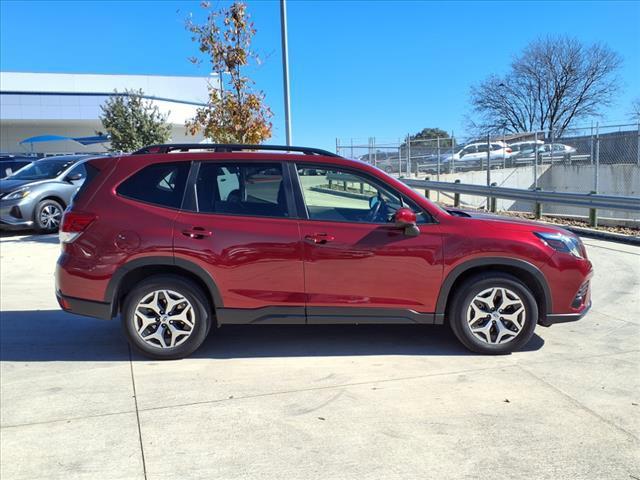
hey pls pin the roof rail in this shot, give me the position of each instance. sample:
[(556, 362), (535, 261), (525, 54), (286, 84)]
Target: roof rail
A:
[(228, 147)]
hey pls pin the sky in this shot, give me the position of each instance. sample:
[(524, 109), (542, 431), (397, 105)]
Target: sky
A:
[(357, 69)]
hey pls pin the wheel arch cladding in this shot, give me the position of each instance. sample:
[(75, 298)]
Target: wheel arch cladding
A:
[(129, 274), (526, 272)]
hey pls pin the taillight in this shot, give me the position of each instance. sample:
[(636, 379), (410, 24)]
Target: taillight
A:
[(509, 150), (73, 224)]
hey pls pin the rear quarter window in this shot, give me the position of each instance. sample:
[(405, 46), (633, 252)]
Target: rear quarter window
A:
[(159, 184)]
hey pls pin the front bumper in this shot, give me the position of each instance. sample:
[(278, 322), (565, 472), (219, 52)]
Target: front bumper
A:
[(16, 214), (554, 318), (87, 308)]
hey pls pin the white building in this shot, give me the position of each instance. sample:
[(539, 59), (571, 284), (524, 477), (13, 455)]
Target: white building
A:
[(68, 105)]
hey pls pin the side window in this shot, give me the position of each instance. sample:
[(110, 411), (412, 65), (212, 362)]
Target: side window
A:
[(160, 184), (79, 169), (343, 196), (468, 150), (251, 189), (482, 148)]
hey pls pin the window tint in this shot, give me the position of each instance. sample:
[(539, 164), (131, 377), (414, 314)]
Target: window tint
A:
[(343, 196), (242, 189), (160, 184), (43, 169), (7, 168), (467, 150)]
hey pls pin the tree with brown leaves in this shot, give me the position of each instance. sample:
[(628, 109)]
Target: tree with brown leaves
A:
[(234, 113)]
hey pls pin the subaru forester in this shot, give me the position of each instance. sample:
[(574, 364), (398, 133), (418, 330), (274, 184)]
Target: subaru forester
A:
[(177, 239)]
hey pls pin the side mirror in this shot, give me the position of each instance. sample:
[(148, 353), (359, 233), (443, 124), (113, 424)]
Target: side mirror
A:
[(405, 218), (72, 177)]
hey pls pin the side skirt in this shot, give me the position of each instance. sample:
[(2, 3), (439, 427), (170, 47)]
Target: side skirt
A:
[(323, 316), (364, 315), (266, 315)]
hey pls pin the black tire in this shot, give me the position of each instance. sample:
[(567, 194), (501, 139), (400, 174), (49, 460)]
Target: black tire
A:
[(52, 209), (466, 292), (201, 316)]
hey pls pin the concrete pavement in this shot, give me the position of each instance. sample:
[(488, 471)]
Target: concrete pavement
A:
[(316, 402)]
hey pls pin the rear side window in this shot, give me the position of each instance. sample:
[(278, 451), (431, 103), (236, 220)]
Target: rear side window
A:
[(160, 184), (255, 189)]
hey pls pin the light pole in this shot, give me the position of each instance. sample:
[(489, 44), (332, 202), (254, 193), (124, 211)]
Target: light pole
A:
[(285, 69)]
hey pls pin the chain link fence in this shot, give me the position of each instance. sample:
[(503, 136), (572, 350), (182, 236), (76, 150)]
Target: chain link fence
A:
[(599, 159)]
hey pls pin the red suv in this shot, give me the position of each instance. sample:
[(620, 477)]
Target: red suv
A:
[(176, 241)]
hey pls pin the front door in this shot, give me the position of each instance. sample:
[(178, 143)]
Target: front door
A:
[(241, 231), (360, 267)]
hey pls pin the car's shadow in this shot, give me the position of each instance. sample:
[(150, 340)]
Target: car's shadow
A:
[(28, 236), (53, 335)]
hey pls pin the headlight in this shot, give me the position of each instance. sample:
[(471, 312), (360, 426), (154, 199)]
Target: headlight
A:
[(562, 243), (17, 194)]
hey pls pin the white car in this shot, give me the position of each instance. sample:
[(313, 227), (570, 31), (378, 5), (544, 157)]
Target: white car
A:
[(477, 152), (556, 149), (526, 148)]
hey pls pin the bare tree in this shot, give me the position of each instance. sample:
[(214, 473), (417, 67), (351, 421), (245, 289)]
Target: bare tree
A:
[(553, 83), (635, 110)]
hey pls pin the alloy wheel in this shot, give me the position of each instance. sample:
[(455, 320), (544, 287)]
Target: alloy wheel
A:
[(496, 315), (164, 319), (50, 216)]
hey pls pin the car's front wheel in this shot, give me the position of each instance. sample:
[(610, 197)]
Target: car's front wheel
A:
[(166, 317), (47, 216), (493, 313)]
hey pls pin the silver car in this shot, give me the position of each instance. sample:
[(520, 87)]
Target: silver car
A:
[(35, 196)]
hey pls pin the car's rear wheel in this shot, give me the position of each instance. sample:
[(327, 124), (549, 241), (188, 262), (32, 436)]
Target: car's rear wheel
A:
[(166, 317), (493, 313), (47, 216)]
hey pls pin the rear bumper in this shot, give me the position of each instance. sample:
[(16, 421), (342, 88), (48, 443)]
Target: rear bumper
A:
[(87, 308), (564, 317)]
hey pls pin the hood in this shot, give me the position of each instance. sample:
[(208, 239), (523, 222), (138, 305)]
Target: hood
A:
[(512, 223), (8, 185)]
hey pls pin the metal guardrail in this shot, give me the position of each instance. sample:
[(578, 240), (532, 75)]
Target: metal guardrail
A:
[(587, 200)]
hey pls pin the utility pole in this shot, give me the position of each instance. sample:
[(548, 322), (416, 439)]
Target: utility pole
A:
[(285, 69)]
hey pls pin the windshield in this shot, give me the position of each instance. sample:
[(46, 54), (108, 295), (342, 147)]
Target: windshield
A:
[(42, 169)]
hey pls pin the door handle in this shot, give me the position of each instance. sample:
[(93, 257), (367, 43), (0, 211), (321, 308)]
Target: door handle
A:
[(319, 238), (197, 232)]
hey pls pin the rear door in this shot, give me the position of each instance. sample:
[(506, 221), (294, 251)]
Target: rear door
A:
[(360, 267), (239, 225)]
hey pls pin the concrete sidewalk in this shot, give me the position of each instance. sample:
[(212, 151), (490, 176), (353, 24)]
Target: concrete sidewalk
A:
[(316, 402)]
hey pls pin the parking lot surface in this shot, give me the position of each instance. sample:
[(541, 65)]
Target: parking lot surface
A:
[(316, 402)]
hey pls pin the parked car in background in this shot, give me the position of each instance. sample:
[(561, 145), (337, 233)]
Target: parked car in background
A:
[(526, 148), (12, 163), (178, 244), (475, 154), (36, 195), (555, 151)]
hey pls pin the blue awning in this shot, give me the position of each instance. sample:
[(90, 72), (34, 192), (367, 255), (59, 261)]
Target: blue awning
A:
[(44, 138), (58, 138)]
